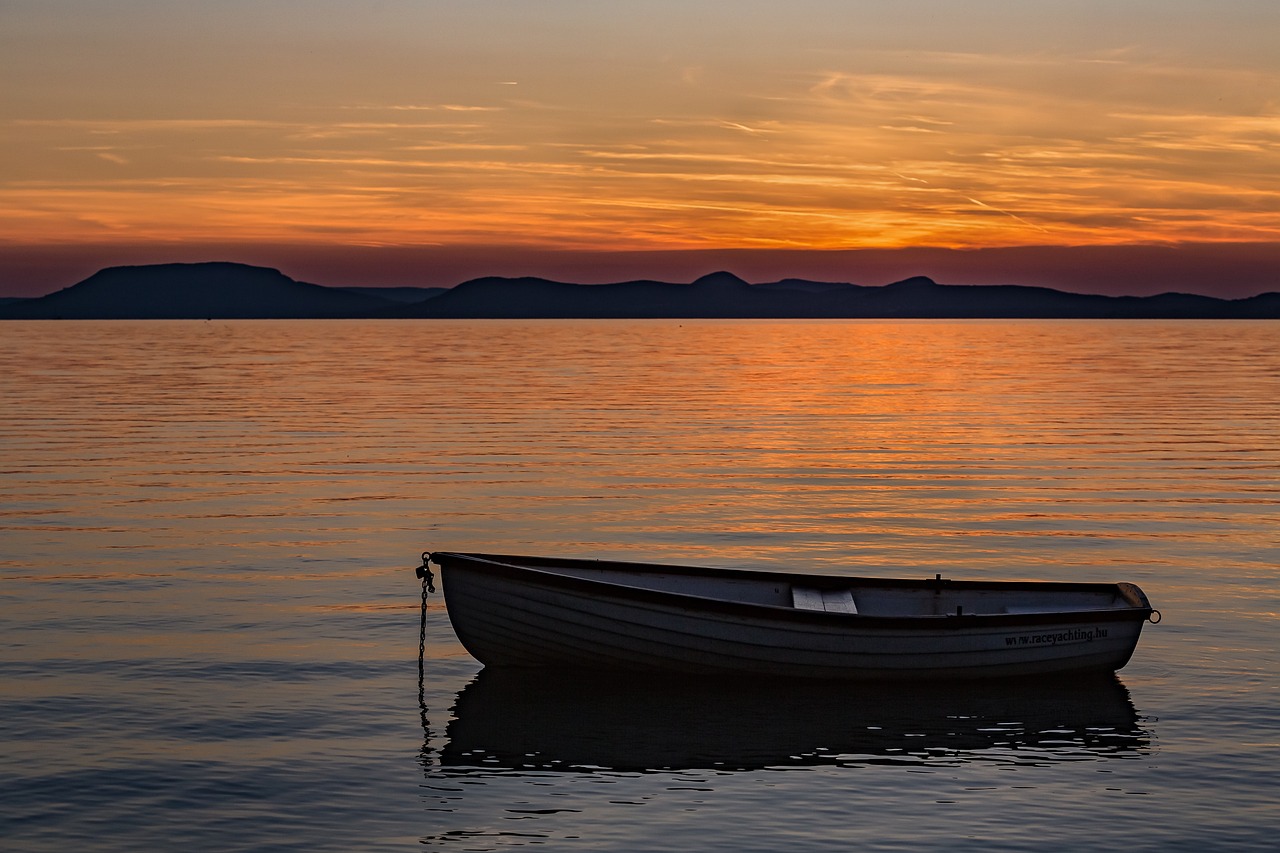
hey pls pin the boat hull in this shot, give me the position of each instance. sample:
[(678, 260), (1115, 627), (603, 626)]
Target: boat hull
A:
[(507, 615)]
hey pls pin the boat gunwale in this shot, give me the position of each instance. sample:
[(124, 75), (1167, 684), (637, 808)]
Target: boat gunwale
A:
[(517, 567)]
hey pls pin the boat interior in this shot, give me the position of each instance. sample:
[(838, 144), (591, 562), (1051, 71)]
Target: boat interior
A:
[(867, 597)]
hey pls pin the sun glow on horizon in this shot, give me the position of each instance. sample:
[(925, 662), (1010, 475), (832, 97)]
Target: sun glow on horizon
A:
[(547, 139)]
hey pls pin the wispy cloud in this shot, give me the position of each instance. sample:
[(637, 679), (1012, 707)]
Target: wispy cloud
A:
[(837, 148)]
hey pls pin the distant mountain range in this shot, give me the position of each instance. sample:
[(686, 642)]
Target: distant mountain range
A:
[(222, 290)]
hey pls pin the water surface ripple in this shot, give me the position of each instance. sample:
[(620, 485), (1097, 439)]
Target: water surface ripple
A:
[(210, 626)]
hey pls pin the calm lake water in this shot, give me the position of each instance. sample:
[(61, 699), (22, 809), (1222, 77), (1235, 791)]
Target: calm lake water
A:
[(210, 623)]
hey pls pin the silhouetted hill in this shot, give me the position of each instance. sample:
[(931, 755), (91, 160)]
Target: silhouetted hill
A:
[(194, 291), (1264, 306), (717, 295), (724, 295), (228, 290)]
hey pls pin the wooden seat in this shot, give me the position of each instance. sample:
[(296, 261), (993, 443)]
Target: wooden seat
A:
[(829, 600)]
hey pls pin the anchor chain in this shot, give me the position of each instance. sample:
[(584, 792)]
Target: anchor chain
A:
[(428, 586)]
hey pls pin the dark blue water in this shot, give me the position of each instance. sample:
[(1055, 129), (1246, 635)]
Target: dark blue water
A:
[(210, 623)]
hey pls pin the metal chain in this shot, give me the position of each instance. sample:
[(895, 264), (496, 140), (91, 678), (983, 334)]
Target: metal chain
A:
[(422, 642), (428, 586)]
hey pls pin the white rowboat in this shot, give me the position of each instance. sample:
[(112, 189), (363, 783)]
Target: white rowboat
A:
[(512, 611)]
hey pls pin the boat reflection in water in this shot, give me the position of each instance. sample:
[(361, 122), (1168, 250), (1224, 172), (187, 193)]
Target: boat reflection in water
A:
[(531, 720)]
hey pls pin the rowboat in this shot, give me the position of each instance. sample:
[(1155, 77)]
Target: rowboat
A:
[(519, 611)]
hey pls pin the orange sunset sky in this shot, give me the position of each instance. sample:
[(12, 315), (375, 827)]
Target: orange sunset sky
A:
[(1123, 146)]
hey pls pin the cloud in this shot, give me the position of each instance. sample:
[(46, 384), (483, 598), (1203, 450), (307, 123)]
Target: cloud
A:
[(858, 147)]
